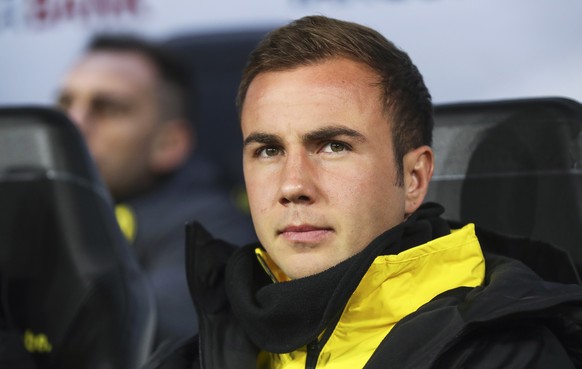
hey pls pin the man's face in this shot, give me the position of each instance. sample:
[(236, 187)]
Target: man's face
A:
[(111, 97), (319, 164)]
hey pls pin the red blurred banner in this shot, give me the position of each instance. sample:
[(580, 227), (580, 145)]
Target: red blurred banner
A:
[(46, 13)]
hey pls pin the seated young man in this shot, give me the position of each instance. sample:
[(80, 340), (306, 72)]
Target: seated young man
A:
[(352, 269)]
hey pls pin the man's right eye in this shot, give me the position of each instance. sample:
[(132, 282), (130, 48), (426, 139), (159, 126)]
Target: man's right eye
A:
[(64, 102), (267, 152), (106, 109)]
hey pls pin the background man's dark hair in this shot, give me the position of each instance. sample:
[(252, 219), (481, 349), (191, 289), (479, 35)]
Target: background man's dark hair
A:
[(173, 75), (313, 39)]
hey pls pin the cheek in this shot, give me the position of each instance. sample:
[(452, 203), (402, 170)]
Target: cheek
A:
[(259, 190), (117, 132), (363, 180), (368, 193)]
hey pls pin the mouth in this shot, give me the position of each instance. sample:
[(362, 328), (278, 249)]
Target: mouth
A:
[(305, 234)]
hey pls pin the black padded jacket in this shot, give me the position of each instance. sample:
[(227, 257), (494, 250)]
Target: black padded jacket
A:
[(528, 314)]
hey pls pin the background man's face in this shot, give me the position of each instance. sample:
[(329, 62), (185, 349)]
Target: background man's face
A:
[(319, 164), (111, 97)]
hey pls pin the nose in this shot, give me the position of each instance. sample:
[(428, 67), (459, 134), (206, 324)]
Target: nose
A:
[(298, 185)]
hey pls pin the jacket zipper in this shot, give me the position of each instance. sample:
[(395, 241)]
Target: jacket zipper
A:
[(313, 351), (314, 348)]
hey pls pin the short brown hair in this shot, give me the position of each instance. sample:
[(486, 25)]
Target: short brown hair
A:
[(313, 39)]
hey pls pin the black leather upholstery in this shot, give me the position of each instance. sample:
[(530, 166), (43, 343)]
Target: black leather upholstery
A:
[(513, 166), (69, 283)]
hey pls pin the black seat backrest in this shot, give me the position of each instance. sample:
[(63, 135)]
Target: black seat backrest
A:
[(513, 166), (69, 284)]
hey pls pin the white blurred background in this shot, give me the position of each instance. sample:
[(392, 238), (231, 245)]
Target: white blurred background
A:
[(466, 49)]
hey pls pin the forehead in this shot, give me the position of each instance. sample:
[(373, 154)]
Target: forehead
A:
[(112, 70), (334, 91)]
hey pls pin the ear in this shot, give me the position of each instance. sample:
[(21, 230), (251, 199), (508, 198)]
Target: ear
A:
[(418, 169), (171, 147)]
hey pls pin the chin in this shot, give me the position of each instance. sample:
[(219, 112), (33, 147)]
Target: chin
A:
[(303, 265), (306, 271)]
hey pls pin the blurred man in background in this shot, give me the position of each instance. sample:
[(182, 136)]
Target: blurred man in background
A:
[(128, 96)]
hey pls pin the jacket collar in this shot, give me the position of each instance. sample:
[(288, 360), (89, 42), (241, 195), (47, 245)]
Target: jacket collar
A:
[(394, 287)]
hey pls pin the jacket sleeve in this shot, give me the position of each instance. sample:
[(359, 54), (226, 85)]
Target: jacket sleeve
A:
[(522, 345), (569, 323)]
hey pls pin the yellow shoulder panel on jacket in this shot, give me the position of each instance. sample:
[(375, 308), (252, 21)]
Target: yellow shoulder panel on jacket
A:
[(394, 287)]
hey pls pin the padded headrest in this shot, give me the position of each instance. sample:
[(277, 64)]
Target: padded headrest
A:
[(42, 140), (38, 146), (513, 166)]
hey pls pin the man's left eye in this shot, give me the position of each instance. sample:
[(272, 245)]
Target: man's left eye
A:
[(334, 147)]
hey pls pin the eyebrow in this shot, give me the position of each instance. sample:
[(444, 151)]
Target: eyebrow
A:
[(331, 132), (261, 138), (320, 134)]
